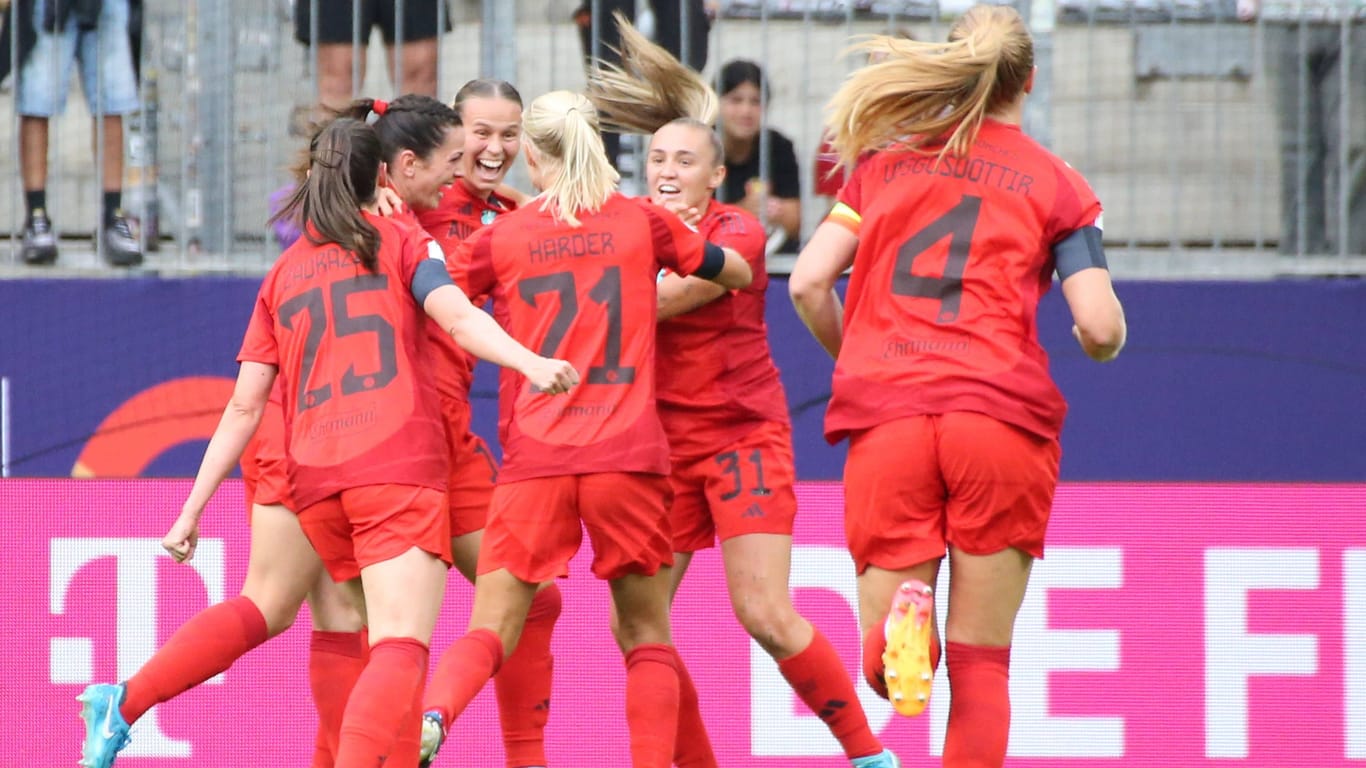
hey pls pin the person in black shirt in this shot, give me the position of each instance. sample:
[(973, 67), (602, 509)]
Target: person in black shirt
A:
[(776, 198)]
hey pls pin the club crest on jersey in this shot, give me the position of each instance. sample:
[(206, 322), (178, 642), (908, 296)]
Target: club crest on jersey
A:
[(486, 218)]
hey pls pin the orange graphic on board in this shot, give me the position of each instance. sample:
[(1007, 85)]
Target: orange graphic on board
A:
[(152, 422)]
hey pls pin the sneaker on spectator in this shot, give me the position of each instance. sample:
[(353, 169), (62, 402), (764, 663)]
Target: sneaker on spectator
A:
[(121, 247), (40, 243)]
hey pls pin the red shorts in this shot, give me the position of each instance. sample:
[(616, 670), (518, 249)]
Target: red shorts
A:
[(915, 485), (373, 523), (745, 489), (536, 526), (265, 468), (473, 472)]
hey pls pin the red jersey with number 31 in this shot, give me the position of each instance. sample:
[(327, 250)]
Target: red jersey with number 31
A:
[(584, 294), (717, 380), (953, 257), (351, 348)]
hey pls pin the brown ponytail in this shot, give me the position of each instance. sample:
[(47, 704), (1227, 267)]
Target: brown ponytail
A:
[(342, 171)]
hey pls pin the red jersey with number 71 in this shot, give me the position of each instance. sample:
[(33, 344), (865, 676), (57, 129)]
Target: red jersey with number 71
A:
[(584, 294), (351, 348), (953, 257)]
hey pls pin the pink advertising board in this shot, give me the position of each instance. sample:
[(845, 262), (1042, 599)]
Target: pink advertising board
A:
[(1170, 625)]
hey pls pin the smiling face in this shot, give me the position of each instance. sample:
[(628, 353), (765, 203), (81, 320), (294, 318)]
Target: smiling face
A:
[(493, 132), (682, 165), (420, 179)]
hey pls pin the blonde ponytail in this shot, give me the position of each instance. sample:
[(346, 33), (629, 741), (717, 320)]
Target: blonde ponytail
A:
[(650, 89), (562, 126), (920, 91)]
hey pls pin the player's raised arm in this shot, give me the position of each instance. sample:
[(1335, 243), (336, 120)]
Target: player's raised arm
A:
[(812, 283), (480, 335)]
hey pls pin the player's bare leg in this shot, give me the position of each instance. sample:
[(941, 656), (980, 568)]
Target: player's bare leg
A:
[(335, 660), (523, 683), (757, 569), (652, 680), (985, 594), (877, 590)]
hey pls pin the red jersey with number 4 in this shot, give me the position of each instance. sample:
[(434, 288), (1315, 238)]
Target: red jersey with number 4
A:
[(941, 311), (351, 348), (459, 214), (584, 294), (717, 380)]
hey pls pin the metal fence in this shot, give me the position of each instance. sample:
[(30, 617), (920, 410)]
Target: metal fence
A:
[(1194, 126)]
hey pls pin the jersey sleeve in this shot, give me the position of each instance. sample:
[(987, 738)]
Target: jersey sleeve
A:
[(418, 246), (1076, 205), (787, 182), (676, 246), (259, 344)]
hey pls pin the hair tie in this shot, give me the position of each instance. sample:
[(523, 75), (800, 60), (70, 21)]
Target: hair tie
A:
[(379, 106)]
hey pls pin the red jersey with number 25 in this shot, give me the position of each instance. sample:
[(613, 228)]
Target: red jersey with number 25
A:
[(351, 347), (941, 310), (717, 380), (584, 294)]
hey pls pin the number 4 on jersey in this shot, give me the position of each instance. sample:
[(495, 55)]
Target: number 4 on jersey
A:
[(958, 224)]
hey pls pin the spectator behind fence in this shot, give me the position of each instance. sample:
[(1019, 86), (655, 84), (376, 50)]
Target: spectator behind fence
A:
[(668, 32), (1322, 158), (775, 198), (53, 38), (412, 71)]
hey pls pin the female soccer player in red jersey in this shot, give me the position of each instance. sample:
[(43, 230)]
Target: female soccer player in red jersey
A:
[(282, 570), (341, 316), (574, 272), (425, 152), (491, 111), (722, 402), (954, 230)]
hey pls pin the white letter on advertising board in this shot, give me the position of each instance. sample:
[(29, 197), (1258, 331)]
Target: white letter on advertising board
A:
[(1039, 650), (1232, 653), (1354, 651), (135, 631)]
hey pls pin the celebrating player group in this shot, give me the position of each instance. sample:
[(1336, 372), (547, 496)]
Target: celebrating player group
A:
[(639, 401)]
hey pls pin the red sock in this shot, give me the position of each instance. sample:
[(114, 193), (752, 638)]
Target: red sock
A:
[(523, 684), (382, 702), (462, 672), (652, 704), (204, 646), (408, 746), (335, 661), (874, 644), (692, 746), (817, 676), (979, 712)]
